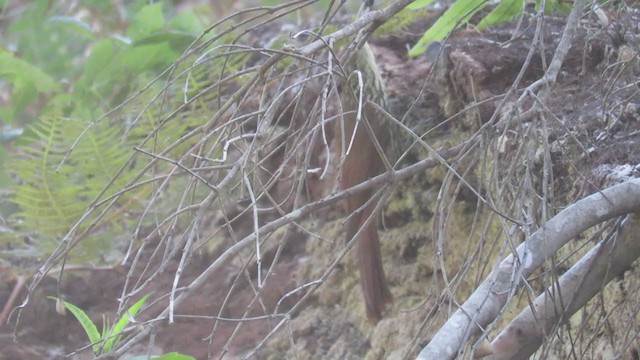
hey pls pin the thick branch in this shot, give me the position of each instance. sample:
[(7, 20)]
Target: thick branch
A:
[(607, 260), (484, 305)]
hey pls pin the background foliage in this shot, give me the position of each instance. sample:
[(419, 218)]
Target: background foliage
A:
[(61, 69)]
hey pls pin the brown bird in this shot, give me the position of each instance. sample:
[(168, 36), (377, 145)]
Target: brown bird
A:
[(361, 163)]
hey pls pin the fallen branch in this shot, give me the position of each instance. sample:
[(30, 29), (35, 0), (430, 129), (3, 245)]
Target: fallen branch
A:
[(486, 303), (607, 260)]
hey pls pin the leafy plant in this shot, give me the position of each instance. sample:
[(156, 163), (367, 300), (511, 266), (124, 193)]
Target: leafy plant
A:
[(49, 199), (105, 341), (461, 12), (102, 342), (58, 88), (28, 81)]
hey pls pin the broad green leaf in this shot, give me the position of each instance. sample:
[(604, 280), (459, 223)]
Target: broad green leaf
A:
[(77, 26), (141, 58), (34, 14), (147, 21), (505, 11), (89, 327), (23, 93), (187, 22), (16, 69), (123, 322), (45, 43), (7, 114), (458, 14), (27, 82), (135, 308), (100, 58)]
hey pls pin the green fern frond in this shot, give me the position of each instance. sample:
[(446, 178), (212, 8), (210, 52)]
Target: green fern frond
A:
[(49, 201), (100, 154)]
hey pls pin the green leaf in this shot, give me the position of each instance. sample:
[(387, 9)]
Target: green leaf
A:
[(122, 323), (178, 40), (48, 199), (89, 327), (418, 4), (147, 21), (28, 81), (458, 14), (45, 43), (7, 114), (22, 94), (105, 327), (187, 22), (142, 58), (76, 26), (505, 11), (34, 14), (99, 60)]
